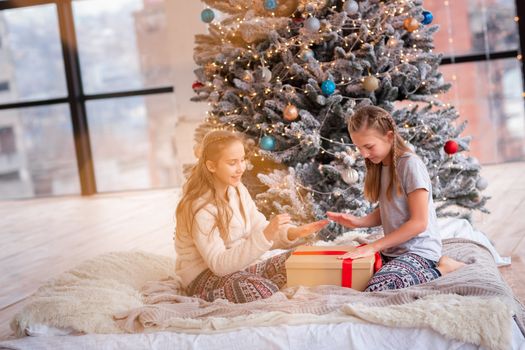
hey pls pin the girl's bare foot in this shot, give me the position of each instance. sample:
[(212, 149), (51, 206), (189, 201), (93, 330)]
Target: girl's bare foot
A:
[(447, 265)]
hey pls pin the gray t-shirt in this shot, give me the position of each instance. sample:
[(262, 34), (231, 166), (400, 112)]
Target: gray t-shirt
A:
[(412, 175)]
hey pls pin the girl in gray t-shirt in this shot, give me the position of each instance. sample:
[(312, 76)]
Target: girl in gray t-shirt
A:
[(399, 181)]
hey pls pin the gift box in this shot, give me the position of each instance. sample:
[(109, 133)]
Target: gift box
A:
[(313, 266)]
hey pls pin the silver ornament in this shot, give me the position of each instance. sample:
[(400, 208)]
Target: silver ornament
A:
[(350, 176), (266, 74), (482, 184), (312, 25), (351, 7)]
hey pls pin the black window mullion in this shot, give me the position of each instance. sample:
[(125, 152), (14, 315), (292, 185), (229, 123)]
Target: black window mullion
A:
[(76, 98), (37, 103), (131, 93), (480, 57)]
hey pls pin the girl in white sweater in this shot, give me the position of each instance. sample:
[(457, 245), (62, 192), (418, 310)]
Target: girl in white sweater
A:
[(221, 236)]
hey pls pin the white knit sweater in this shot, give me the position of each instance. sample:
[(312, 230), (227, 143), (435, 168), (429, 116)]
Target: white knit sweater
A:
[(204, 248)]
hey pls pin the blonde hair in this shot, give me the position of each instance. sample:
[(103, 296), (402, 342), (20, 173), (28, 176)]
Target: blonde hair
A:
[(376, 118), (200, 185)]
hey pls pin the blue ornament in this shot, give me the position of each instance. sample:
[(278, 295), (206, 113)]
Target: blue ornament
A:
[(307, 54), (207, 15), (267, 143), (427, 17), (270, 5), (328, 87)]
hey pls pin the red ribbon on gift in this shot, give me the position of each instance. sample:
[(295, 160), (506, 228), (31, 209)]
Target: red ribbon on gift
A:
[(346, 274)]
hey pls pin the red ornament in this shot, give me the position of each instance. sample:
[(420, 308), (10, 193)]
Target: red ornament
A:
[(197, 85), (451, 147), (298, 19)]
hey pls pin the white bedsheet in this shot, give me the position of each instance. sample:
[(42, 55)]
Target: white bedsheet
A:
[(326, 336), (461, 228)]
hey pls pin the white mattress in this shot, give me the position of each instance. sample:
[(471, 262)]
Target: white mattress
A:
[(319, 336)]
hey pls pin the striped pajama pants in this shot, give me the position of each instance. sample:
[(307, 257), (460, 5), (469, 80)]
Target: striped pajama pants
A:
[(259, 281), (403, 271)]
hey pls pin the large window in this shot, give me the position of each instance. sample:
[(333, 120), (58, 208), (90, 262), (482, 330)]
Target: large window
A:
[(480, 40), (86, 98)]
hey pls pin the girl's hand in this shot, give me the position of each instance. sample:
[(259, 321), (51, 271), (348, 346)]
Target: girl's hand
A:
[(306, 230), (272, 230), (346, 220), (361, 252)]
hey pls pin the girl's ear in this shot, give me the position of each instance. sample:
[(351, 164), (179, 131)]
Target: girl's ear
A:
[(210, 165), (390, 135)]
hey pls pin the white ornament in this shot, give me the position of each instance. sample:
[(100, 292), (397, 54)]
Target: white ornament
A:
[(350, 176), (482, 184), (266, 74), (351, 7), (312, 24)]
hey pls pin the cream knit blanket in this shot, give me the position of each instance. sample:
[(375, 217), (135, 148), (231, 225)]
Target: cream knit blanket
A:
[(472, 304)]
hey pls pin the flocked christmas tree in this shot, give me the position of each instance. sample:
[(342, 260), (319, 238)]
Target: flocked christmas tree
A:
[(287, 73)]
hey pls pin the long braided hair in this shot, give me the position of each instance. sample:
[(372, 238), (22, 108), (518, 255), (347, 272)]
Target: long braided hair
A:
[(372, 117), (200, 185)]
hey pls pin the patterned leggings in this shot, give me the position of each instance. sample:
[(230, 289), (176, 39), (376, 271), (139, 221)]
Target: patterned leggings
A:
[(259, 281), (403, 271)]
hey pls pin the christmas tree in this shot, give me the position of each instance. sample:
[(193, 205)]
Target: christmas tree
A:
[(288, 73)]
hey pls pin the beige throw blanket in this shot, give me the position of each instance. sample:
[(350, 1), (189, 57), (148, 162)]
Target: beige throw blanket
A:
[(472, 304)]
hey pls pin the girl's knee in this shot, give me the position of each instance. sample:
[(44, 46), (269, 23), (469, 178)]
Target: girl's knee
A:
[(253, 288)]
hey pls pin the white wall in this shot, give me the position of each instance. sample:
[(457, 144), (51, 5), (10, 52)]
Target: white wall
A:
[(183, 23)]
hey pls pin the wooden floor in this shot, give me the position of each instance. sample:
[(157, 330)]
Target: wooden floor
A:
[(41, 238)]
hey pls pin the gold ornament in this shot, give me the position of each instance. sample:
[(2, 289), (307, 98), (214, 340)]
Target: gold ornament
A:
[(411, 24), (290, 113), (392, 42), (371, 83), (247, 76)]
